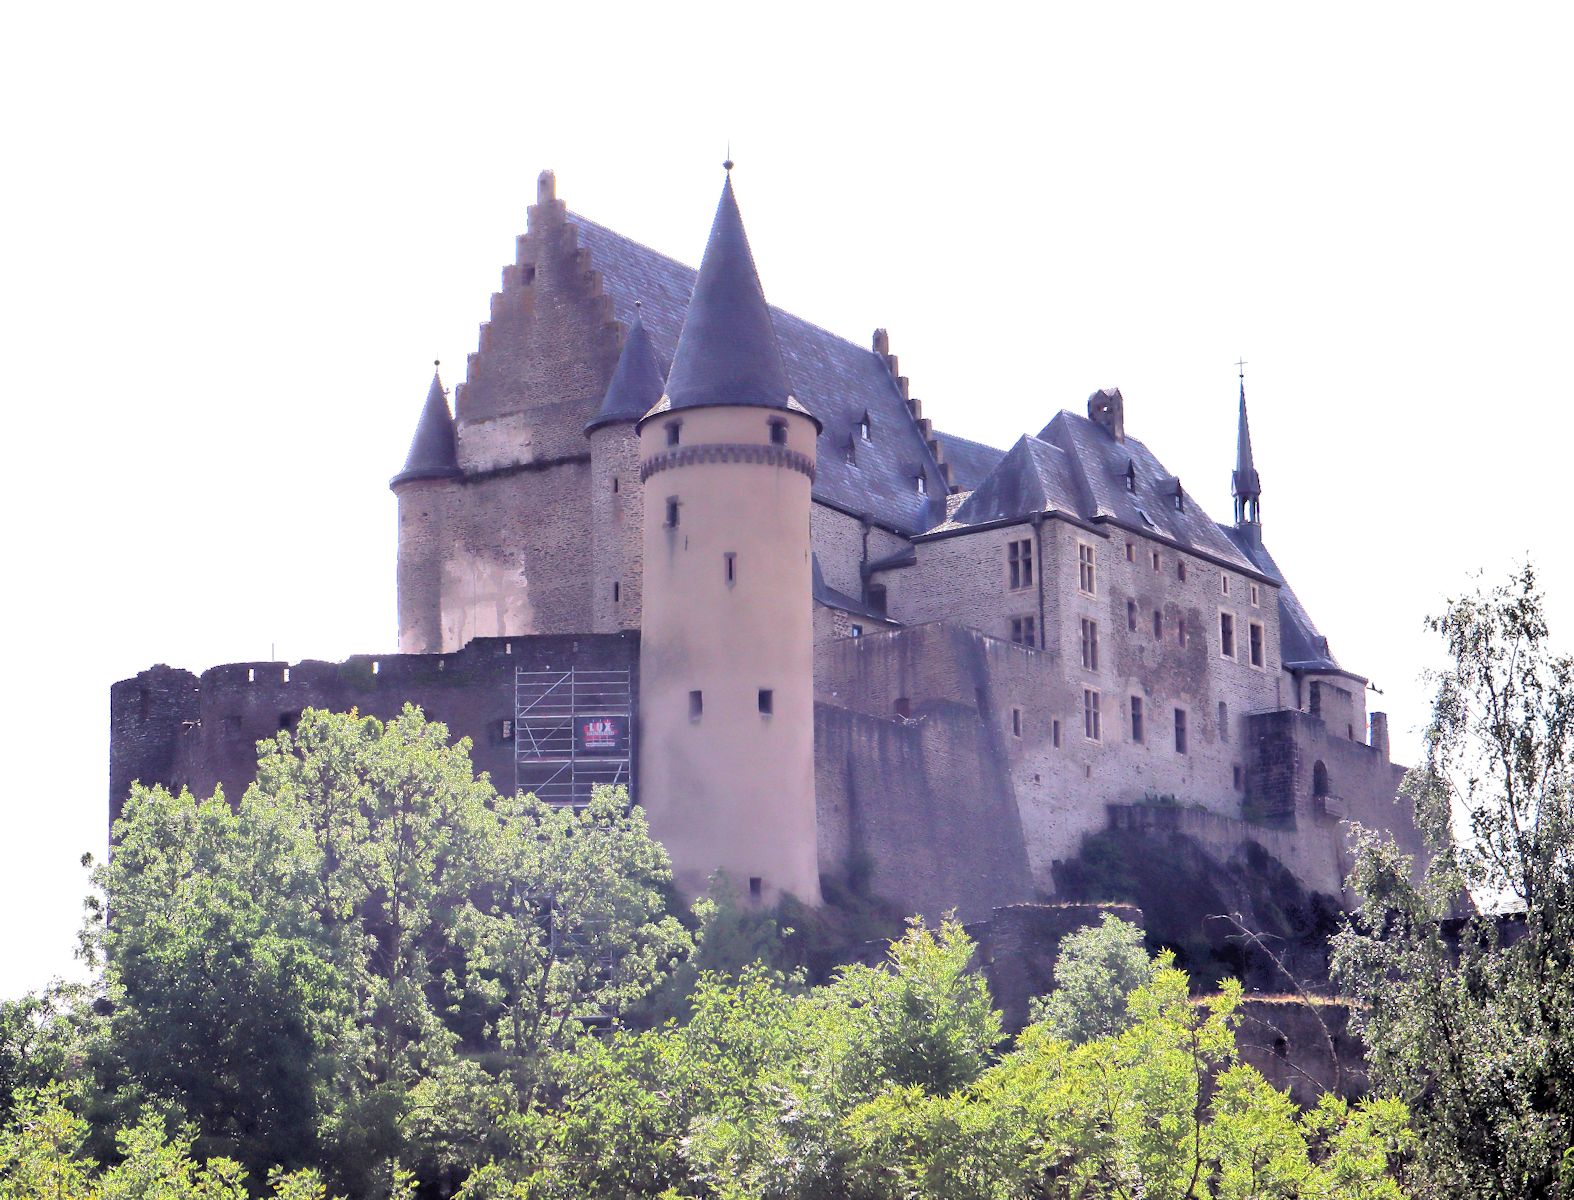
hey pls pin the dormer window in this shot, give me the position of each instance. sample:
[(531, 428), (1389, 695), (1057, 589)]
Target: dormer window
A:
[(673, 432), (778, 432), (1180, 499), (852, 453), (923, 486), (865, 428), (1131, 477)]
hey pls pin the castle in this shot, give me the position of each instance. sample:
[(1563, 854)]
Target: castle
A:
[(673, 537)]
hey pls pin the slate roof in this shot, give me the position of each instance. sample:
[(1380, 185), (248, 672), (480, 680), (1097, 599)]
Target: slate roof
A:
[(1074, 467), (1245, 481), (836, 380), (637, 382), (434, 451), (970, 461)]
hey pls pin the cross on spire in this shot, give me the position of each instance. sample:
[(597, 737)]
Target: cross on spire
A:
[(1241, 366)]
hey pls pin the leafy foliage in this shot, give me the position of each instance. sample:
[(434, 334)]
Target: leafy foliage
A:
[(1470, 1017), (372, 958), (1096, 969)]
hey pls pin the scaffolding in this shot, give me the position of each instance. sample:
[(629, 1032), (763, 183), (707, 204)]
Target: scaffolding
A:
[(572, 731)]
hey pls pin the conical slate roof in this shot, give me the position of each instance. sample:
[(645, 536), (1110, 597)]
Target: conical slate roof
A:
[(727, 353), (434, 452), (636, 383), (1245, 481)]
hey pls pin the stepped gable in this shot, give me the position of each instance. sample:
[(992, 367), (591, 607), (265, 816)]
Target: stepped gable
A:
[(550, 339), (835, 379), (970, 461), (1301, 646), (433, 452), (637, 382)]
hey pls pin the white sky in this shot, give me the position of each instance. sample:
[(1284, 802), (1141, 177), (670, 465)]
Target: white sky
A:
[(231, 246)]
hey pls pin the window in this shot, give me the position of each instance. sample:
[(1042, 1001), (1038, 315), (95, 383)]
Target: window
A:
[(1224, 585), (876, 596), (1180, 632), (1019, 563), (1016, 722), (1131, 615), (1224, 721), (1054, 734), (767, 702), (1227, 635), (730, 562), (923, 485), (1131, 552), (1180, 731), (672, 512), (617, 592), (903, 707), (1137, 732), (1180, 500), (1091, 718), (1180, 569), (1155, 560), (673, 432), (696, 705), (1254, 643), (778, 433), (505, 730), (1087, 576), (1158, 626), (756, 887), (1319, 779), (1024, 631), (864, 428), (1255, 596), (1131, 477), (1090, 644), (852, 453), (1236, 774), (614, 485), (856, 631)]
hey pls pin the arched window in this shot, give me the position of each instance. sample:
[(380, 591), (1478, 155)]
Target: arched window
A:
[(1319, 779)]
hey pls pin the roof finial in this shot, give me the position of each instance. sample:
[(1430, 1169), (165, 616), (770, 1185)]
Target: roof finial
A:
[(1240, 365), (727, 166)]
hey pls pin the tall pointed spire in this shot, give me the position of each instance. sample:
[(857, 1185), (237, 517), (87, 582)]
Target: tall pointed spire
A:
[(636, 383), (728, 353), (1245, 483), (434, 451)]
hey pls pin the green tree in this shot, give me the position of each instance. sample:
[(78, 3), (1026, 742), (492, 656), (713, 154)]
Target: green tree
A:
[(374, 957), (1469, 1017), (1096, 969), (43, 1039)]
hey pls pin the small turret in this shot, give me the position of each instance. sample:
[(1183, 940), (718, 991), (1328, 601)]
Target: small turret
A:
[(616, 495), (425, 488), (1245, 483), (1107, 409), (434, 451)]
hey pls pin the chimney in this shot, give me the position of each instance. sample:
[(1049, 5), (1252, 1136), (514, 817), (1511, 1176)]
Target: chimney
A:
[(1107, 410), (1379, 734)]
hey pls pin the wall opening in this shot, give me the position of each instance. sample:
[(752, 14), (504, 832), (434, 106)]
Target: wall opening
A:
[(696, 705), (903, 707), (767, 702), (756, 887), (1319, 779)]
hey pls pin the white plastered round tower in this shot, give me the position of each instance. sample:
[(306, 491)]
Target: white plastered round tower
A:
[(727, 459)]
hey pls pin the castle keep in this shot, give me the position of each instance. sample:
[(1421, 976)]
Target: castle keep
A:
[(727, 552)]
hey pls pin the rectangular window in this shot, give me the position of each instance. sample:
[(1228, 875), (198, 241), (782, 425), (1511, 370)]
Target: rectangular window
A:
[(1180, 731), (731, 562), (1090, 644), (696, 705), (1155, 560), (1236, 771), (614, 485), (1180, 632), (1254, 634), (1131, 615), (672, 512), (1224, 721), (1024, 631), (1227, 635), (1131, 552), (1016, 722), (1180, 569), (1054, 734), (1158, 626), (1256, 596), (1224, 585), (505, 730), (617, 592), (1087, 575), (767, 701), (1091, 717), (778, 433), (672, 432), (1137, 732), (857, 631), (756, 887), (1019, 563)]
